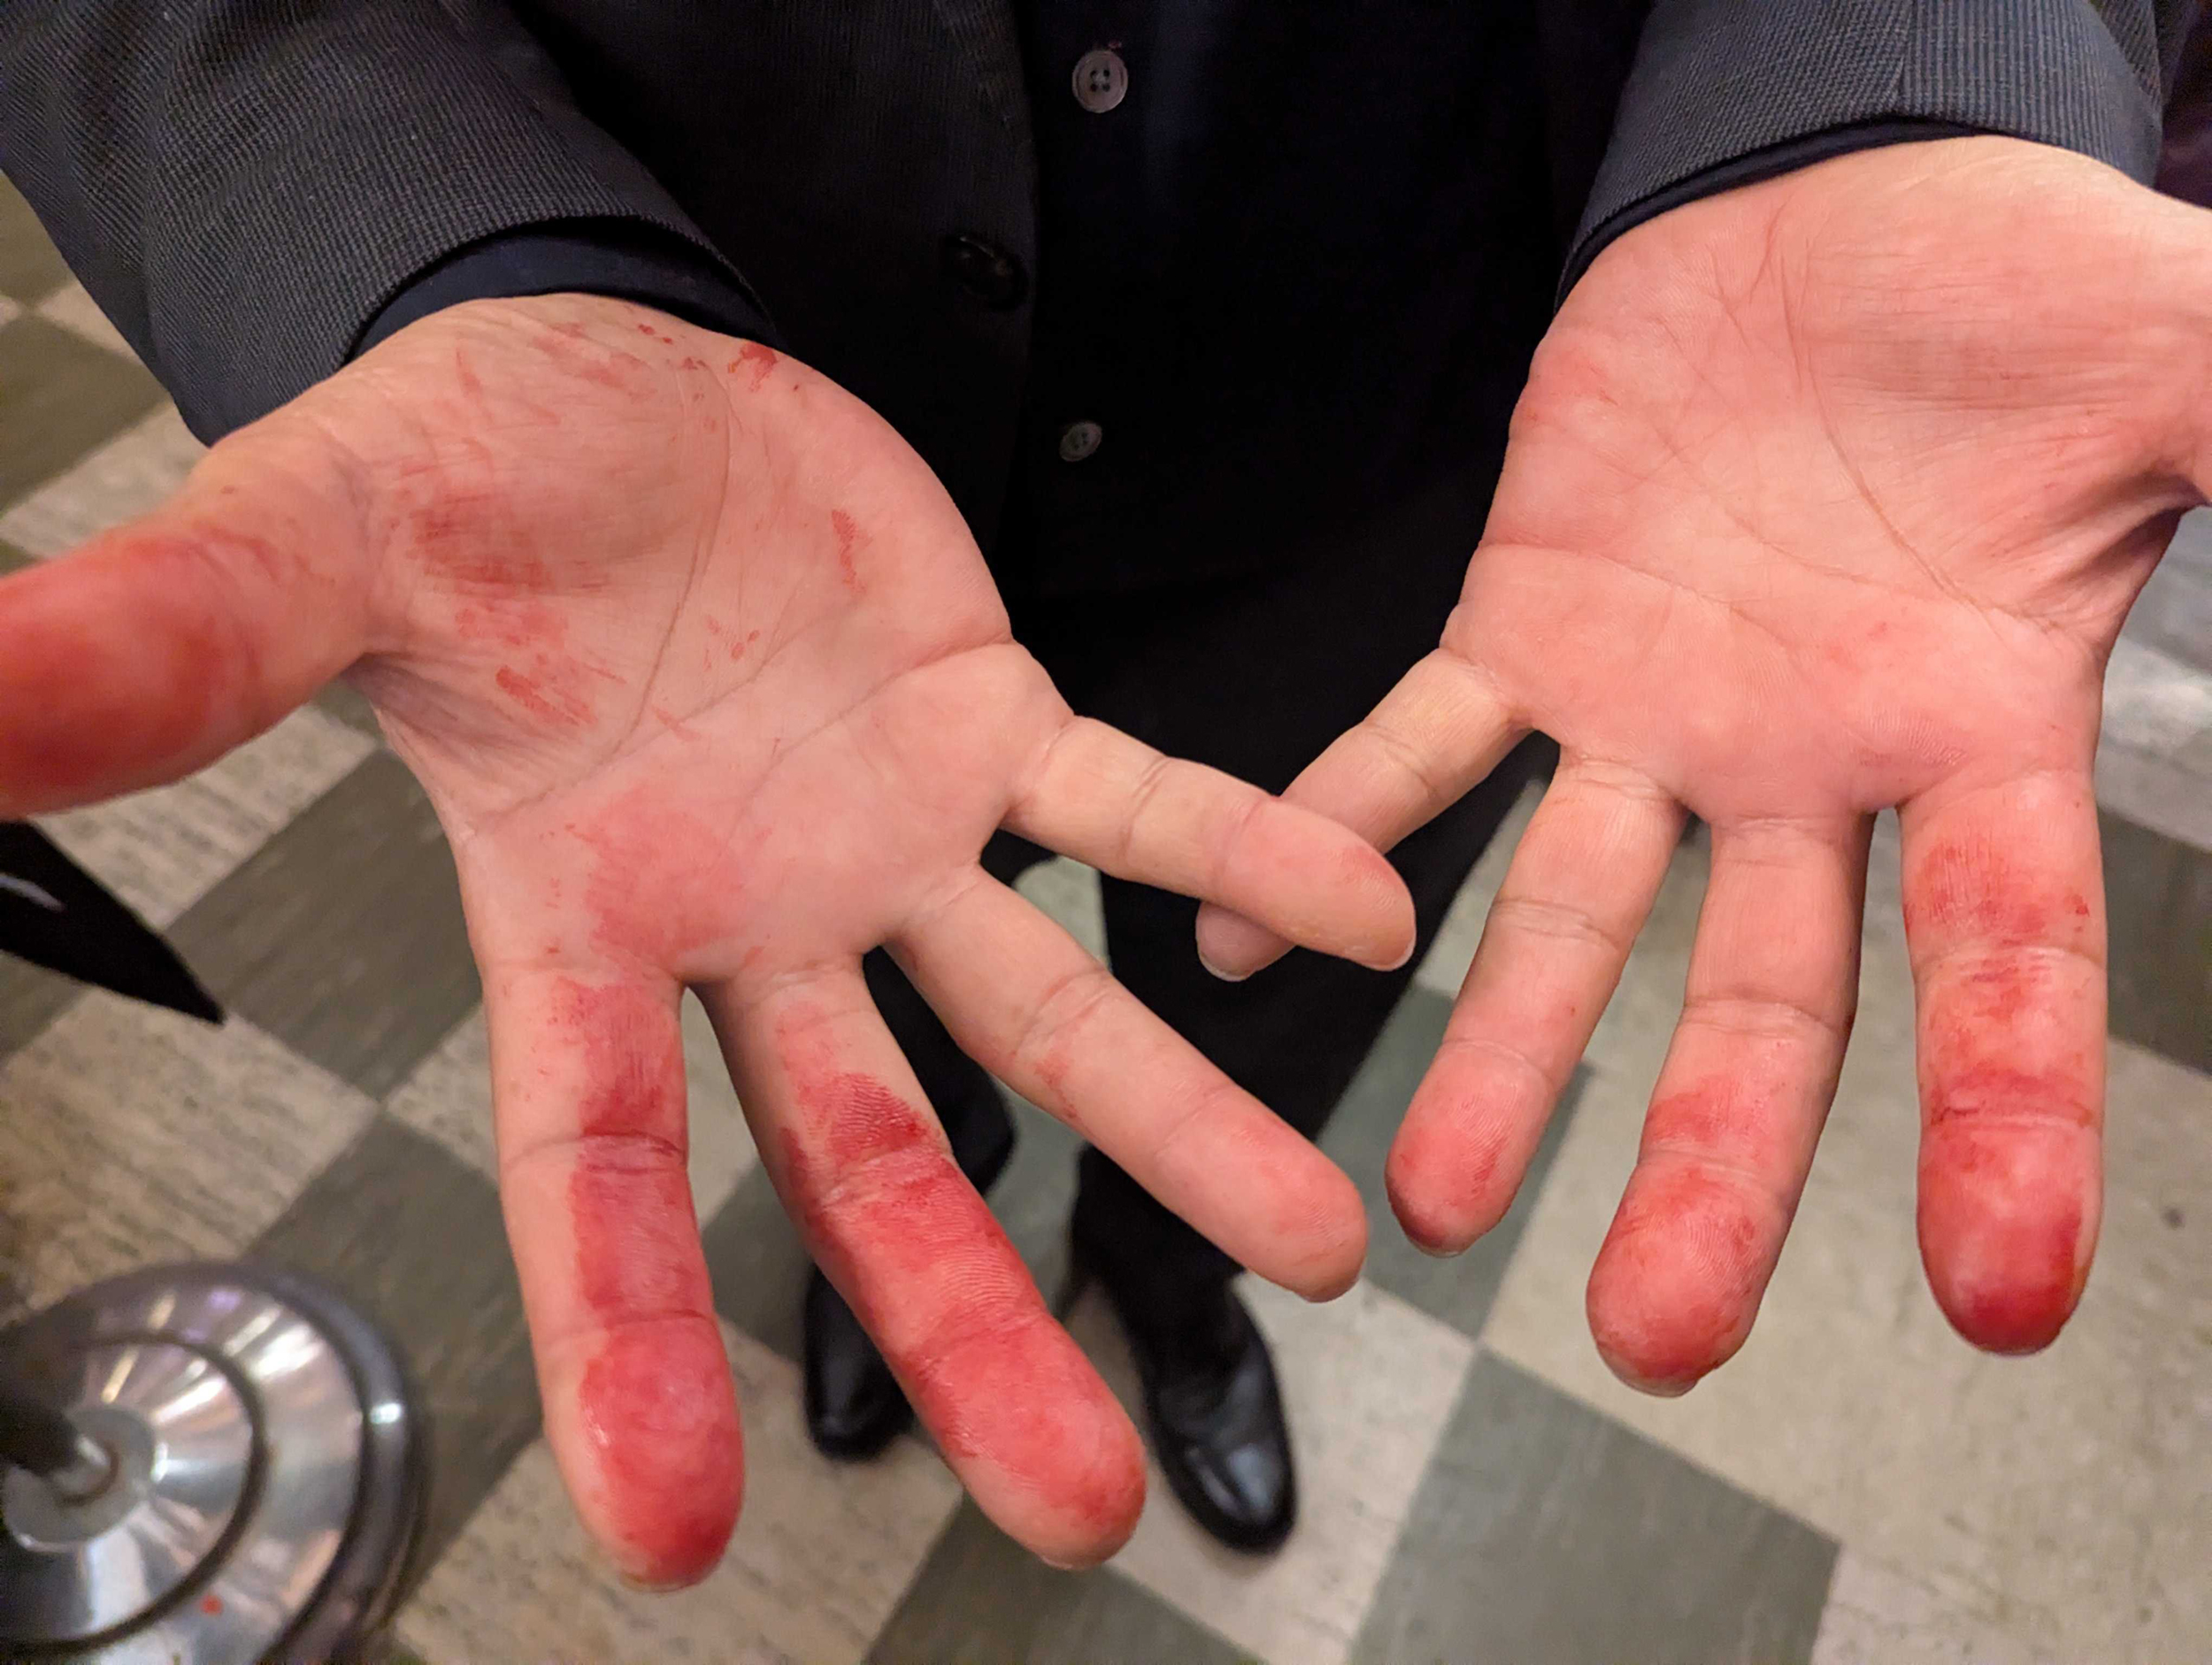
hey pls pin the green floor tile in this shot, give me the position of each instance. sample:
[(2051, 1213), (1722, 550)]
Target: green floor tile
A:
[(980, 1598), (60, 398), (2158, 901), (1544, 1530), (342, 935)]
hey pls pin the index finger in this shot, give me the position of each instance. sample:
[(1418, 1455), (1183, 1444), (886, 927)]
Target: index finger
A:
[(1431, 741)]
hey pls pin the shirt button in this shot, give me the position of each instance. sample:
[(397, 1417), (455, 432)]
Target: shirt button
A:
[(1101, 80), (1078, 440), (986, 271)]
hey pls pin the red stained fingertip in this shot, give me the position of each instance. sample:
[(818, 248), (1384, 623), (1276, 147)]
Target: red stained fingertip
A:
[(1677, 1284), (658, 1414), (2007, 1236)]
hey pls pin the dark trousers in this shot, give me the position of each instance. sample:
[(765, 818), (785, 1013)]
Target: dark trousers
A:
[(1253, 676)]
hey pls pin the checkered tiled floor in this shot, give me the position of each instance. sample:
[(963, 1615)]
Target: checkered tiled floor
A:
[(1857, 1487)]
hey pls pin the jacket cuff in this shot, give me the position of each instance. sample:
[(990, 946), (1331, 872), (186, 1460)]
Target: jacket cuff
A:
[(623, 259), (1725, 92)]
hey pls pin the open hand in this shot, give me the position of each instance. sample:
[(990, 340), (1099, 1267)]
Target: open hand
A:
[(711, 688), (1826, 495)]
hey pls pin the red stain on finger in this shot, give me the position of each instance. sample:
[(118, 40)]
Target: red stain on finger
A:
[(637, 1241), (99, 696), (1971, 890), (1678, 1280), (933, 1276), (656, 1409), (2002, 1232)]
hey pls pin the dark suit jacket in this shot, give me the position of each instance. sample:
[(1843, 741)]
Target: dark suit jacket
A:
[(243, 184)]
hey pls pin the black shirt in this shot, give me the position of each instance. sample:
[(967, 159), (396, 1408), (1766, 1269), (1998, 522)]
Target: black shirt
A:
[(1272, 283)]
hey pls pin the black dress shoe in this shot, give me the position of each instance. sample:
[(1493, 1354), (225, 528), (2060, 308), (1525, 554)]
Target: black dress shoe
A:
[(855, 1407), (1211, 1397)]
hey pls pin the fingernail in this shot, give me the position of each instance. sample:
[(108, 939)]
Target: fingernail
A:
[(1398, 964), (1656, 1387), (1227, 976)]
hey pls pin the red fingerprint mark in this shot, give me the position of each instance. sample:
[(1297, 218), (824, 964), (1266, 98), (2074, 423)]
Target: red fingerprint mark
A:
[(658, 881), (590, 365), (1969, 889), (210, 1603), (759, 361), (506, 575), (848, 535), (933, 1278), (657, 1407)]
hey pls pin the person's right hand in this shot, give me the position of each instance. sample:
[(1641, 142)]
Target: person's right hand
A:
[(710, 688)]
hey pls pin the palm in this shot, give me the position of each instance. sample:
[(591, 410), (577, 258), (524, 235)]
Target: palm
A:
[(1825, 496), (1792, 487), (711, 688)]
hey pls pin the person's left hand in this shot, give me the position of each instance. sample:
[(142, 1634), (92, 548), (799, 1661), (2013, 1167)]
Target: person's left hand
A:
[(1826, 495)]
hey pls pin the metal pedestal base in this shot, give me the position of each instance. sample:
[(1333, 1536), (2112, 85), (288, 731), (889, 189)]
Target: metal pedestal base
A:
[(266, 1481)]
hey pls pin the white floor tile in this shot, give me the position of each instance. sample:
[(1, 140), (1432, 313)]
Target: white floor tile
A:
[(1877, 1616)]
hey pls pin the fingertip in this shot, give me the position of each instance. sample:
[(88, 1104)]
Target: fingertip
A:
[(1431, 1225), (1223, 974), (1338, 1269), (1103, 1514), (1232, 947), (1677, 1284), (1443, 1179), (662, 1477), (2006, 1265), (1084, 1511), (1321, 1223), (1628, 1374), (1381, 888)]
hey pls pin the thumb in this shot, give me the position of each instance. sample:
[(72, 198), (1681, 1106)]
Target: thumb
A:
[(164, 642)]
